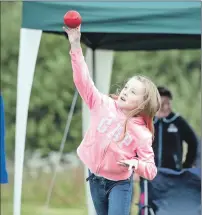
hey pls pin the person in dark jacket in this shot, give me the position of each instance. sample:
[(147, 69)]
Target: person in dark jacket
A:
[(171, 130)]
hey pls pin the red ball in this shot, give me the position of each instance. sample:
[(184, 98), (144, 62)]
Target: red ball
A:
[(72, 19)]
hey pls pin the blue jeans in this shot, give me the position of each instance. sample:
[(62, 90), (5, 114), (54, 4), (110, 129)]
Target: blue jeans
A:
[(111, 197)]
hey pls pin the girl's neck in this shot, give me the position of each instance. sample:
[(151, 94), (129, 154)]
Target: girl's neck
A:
[(125, 112), (128, 113)]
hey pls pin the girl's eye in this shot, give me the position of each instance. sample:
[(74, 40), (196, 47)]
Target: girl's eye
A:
[(133, 92), (125, 87)]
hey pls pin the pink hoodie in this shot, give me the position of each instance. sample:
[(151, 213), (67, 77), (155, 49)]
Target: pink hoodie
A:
[(101, 149)]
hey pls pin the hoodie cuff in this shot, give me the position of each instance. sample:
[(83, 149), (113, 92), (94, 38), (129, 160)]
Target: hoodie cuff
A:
[(141, 166)]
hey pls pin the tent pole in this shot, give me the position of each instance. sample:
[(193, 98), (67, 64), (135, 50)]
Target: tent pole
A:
[(62, 146), (90, 60), (97, 61)]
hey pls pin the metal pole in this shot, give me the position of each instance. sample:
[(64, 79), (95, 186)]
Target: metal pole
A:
[(62, 145), (146, 197)]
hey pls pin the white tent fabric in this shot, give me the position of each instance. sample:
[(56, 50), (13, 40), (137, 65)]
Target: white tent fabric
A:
[(29, 46)]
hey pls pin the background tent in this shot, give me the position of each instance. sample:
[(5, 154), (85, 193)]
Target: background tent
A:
[(121, 25), (106, 25)]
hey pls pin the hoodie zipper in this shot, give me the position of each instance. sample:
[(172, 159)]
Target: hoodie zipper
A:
[(105, 151), (103, 155)]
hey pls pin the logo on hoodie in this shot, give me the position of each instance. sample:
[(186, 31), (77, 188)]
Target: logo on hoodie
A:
[(116, 133)]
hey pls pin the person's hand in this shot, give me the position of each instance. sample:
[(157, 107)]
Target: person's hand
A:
[(129, 163), (74, 36)]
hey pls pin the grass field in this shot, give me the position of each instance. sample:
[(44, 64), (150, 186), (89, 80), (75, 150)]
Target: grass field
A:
[(68, 197), (32, 209)]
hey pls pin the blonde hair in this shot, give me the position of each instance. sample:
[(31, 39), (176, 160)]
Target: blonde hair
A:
[(148, 108)]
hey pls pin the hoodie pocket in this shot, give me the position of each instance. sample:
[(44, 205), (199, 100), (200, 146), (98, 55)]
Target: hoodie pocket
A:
[(110, 164)]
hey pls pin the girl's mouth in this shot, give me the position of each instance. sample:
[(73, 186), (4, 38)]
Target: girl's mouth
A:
[(123, 99)]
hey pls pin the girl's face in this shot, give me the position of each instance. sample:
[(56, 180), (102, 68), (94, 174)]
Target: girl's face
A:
[(131, 96)]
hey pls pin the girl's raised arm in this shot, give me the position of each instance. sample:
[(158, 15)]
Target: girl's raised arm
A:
[(81, 75)]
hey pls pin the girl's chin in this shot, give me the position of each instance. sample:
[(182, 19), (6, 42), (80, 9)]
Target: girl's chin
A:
[(122, 104)]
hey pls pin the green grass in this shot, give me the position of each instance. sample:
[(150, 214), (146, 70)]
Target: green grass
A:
[(68, 197), (6, 209)]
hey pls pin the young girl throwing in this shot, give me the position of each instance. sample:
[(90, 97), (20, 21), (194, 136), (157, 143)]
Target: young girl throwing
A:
[(119, 139)]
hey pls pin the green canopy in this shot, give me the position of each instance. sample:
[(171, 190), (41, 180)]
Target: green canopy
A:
[(123, 25)]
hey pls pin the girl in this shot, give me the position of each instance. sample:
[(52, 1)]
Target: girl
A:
[(119, 139)]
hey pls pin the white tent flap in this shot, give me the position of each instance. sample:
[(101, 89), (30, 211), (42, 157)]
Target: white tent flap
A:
[(29, 45)]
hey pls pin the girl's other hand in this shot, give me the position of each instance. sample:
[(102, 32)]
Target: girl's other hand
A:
[(129, 163)]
